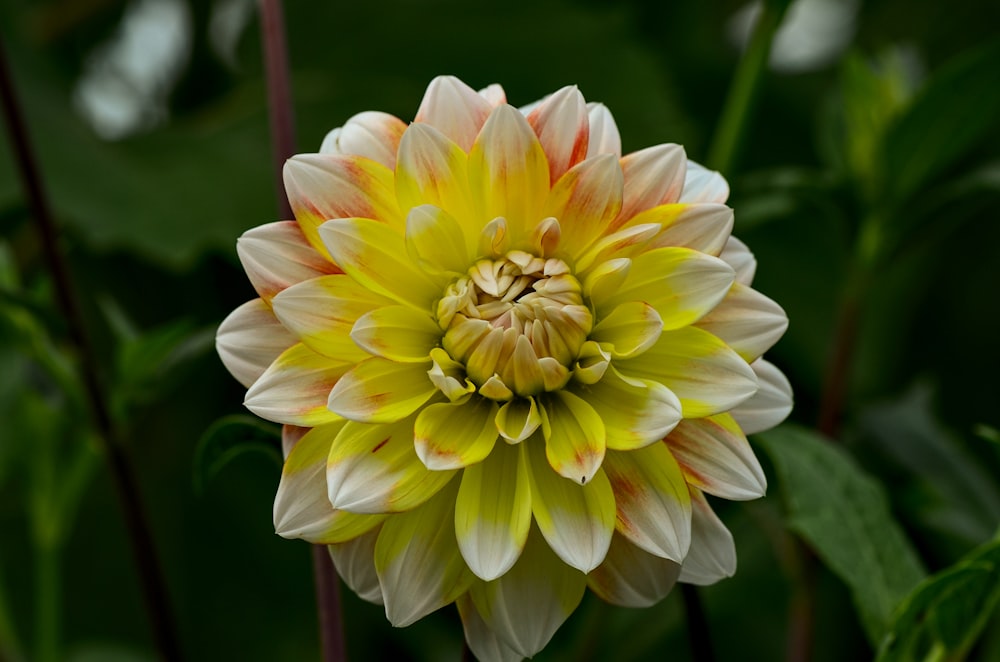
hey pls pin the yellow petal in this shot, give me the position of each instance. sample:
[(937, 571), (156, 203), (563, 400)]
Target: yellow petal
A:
[(399, 333), (381, 391), (630, 329), (452, 436), (574, 436), (585, 200), (435, 242), (518, 419), (296, 387)]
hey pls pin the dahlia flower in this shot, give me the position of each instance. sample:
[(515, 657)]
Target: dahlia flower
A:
[(510, 362)]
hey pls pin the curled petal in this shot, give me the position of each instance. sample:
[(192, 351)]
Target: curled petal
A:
[(325, 186), (707, 376), (770, 405), (604, 136), (398, 333), (277, 255), (636, 412), (493, 512), (654, 507), (374, 469), (747, 321), (630, 329), (371, 134), (250, 339), (526, 606), (563, 128), (452, 436), (518, 419), (715, 456), (704, 185), (713, 554), (576, 520), (653, 176), (631, 577), (574, 436), (455, 109), (381, 391), (417, 560), (295, 388), (355, 563), (301, 509)]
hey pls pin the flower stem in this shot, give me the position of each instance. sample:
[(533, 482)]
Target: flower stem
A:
[(123, 477), (698, 634), (47, 578), (738, 108), (279, 102)]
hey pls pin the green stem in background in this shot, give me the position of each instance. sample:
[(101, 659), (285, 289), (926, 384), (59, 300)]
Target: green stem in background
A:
[(738, 109), (698, 633), (47, 581), (10, 645), (279, 101), (123, 477)]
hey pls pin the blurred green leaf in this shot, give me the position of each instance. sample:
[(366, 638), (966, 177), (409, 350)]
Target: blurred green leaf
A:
[(965, 497), (229, 438), (946, 613), (844, 516), (953, 111)]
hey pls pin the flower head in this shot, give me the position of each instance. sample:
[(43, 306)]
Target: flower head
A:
[(510, 361)]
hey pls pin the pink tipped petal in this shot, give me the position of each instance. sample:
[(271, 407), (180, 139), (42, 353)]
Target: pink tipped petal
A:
[(707, 376), (322, 312), (325, 186), (371, 134), (433, 170), (715, 457), (416, 557), (563, 128), (681, 284), (483, 641), (250, 339), (455, 435), (747, 321), (509, 173), (301, 509), (585, 200), (355, 563), (653, 176), (636, 412), (527, 605), (574, 436), (381, 391), (374, 469), (494, 94), (576, 520), (295, 388), (375, 256), (630, 577), (713, 554), (654, 508), (738, 256), (493, 512), (702, 227), (604, 136), (770, 405), (704, 185), (398, 333), (278, 255), (454, 109)]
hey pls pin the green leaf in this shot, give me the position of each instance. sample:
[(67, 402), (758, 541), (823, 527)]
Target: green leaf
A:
[(964, 498), (229, 438), (844, 516), (946, 613), (954, 110)]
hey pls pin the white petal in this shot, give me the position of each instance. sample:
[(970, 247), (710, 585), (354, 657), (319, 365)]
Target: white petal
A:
[(653, 176), (631, 577), (483, 642), (371, 134), (712, 555), (704, 185), (738, 256), (716, 457), (355, 563), (455, 109), (494, 94), (770, 405), (277, 255), (562, 127), (604, 136), (747, 321), (294, 390), (250, 339)]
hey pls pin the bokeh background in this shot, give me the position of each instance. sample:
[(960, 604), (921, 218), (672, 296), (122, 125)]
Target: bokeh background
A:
[(149, 122)]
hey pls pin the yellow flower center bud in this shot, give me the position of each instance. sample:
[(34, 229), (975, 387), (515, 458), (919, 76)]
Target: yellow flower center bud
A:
[(516, 323)]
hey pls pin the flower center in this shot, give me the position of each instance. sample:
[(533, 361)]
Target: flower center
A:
[(517, 323)]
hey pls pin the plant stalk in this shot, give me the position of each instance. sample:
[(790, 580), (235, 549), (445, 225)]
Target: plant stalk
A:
[(698, 634), (123, 477)]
